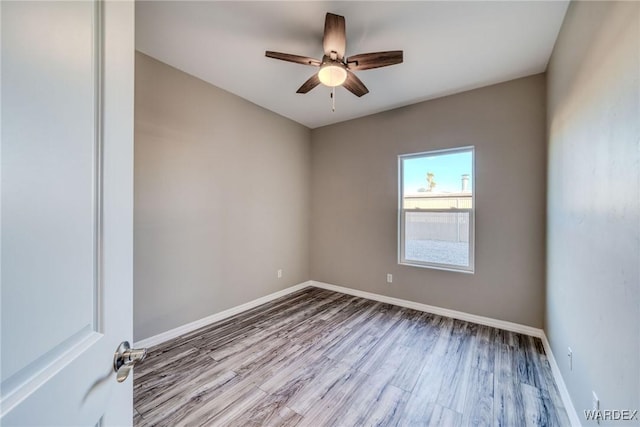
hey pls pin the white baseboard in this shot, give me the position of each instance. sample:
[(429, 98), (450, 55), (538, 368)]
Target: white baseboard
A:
[(500, 324), (190, 327), (562, 387)]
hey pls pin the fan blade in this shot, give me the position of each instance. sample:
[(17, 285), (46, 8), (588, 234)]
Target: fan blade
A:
[(309, 84), (354, 85), (367, 61), (293, 58), (335, 39)]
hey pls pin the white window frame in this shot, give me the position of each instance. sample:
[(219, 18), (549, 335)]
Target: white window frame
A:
[(402, 212)]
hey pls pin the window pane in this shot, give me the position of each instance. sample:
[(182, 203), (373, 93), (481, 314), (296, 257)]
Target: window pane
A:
[(436, 209), (437, 237), (438, 180)]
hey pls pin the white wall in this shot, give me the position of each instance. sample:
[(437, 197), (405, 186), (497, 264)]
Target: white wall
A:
[(354, 190), (593, 234), (221, 200)]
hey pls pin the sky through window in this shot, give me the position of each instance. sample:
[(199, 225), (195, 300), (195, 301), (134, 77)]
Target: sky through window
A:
[(447, 170)]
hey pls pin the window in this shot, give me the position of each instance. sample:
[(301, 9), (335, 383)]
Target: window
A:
[(436, 209)]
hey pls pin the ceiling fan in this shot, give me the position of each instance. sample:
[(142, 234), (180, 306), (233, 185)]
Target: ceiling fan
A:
[(335, 68)]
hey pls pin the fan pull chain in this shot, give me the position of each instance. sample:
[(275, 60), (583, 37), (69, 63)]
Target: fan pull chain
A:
[(333, 99)]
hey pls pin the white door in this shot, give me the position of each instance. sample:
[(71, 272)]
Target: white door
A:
[(66, 211)]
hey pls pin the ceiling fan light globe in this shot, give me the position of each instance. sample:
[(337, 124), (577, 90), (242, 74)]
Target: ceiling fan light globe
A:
[(332, 75)]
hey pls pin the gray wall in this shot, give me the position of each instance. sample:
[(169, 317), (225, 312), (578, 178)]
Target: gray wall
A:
[(221, 200), (593, 252), (354, 189)]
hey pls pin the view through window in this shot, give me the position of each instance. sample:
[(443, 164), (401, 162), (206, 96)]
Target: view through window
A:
[(436, 209)]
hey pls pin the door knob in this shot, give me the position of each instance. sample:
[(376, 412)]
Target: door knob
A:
[(126, 358)]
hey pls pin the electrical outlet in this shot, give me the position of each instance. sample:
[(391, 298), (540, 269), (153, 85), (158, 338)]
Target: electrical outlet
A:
[(389, 278), (570, 355), (595, 403), (280, 274)]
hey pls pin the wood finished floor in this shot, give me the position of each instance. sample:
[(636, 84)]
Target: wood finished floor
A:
[(321, 358)]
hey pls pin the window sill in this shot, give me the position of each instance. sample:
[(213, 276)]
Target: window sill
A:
[(437, 267)]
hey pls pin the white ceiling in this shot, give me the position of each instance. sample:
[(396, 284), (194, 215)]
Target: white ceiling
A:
[(449, 47)]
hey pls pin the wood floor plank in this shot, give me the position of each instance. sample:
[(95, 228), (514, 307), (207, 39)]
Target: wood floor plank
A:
[(389, 408), (296, 376), (411, 364), (331, 376), (165, 360), (439, 416), (269, 411), (392, 366), (508, 403), (233, 412), (533, 355), (264, 355), (457, 369), (428, 385), (321, 358), (505, 364), (373, 393), (360, 344), (478, 408), (484, 355), (154, 390), (172, 411), (236, 397), (331, 407), (537, 407)]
